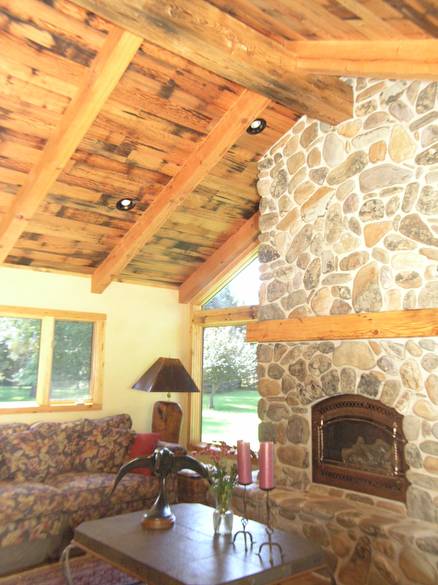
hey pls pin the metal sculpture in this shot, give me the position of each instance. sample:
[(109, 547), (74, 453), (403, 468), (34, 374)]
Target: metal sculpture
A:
[(162, 463)]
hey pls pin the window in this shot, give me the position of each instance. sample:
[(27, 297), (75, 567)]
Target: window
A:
[(229, 386), (242, 290), (50, 359), (225, 364)]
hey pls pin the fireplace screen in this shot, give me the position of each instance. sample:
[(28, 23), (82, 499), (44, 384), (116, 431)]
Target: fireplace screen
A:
[(358, 444)]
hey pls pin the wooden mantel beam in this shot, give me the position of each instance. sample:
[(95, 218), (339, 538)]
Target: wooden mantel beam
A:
[(382, 325), (218, 42), (207, 154), (400, 59), (103, 75), (230, 254)]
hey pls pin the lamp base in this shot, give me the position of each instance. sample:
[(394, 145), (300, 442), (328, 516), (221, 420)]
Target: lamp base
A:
[(166, 420)]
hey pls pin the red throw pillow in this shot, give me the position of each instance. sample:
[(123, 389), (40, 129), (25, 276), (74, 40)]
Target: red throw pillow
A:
[(144, 444)]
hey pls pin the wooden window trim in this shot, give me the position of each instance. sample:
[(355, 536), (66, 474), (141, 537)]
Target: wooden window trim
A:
[(201, 318), (48, 318)]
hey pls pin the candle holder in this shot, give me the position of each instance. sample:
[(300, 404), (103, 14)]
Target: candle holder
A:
[(269, 532), (244, 520)]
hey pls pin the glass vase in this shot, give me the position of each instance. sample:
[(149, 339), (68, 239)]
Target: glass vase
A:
[(222, 521)]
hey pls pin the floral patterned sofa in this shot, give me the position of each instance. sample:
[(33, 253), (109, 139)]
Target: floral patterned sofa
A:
[(53, 476)]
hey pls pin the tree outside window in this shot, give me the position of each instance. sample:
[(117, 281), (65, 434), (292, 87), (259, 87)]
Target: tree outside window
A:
[(229, 379), (47, 361), (19, 351)]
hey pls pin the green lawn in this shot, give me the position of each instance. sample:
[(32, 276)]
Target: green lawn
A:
[(24, 393), (16, 394), (234, 417)]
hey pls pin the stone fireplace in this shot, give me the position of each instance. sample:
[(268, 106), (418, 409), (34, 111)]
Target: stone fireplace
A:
[(349, 221), (349, 224), (358, 444)]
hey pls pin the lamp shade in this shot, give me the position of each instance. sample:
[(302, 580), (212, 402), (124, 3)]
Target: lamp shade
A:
[(166, 375)]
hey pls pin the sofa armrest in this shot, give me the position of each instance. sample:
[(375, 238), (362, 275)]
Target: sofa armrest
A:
[(175, 447)]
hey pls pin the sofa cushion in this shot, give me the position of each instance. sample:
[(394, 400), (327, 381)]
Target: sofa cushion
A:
[(116, 421), (104, 444), (144, 444), (6, 430), (30, 455), (11, 428), (21, 500), (103, 511), (85, 490), (67, 436), (31, 529), (103, 450), (73, 440)]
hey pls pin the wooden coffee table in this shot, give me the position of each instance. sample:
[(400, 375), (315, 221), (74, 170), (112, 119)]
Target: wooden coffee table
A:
[(190, 554)]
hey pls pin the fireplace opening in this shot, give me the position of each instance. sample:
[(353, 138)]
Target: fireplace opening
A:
[(358, 444)]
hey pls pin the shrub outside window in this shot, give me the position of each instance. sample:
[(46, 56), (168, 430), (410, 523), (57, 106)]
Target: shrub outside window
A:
[(50, 360)]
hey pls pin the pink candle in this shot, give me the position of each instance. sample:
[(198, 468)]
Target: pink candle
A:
[(266, 466), (244, 463)]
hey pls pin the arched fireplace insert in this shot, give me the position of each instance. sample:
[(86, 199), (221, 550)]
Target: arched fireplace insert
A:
[(358, 444)]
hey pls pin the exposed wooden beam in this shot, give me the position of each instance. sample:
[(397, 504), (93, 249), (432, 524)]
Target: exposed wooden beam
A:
[(108, 67), (230, 316), (401, 59), (209, 152), (383, 325), (215, 40), (229, 255)]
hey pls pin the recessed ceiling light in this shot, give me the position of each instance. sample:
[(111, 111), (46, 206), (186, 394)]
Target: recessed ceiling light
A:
[(256, 126), (125, 204)]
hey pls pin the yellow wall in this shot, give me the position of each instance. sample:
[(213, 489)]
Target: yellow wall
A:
[(143, 323)]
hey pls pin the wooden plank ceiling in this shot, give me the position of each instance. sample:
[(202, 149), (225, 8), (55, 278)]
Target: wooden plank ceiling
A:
[(63, 166)]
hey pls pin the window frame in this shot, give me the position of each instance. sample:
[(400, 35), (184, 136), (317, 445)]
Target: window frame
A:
[(43, 403), (201, 318)]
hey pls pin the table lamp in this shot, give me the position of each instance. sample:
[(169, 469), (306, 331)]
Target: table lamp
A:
[(166, 375)]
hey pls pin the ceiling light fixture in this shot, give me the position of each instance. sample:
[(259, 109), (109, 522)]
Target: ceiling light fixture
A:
[(256, 126), (125, 204)]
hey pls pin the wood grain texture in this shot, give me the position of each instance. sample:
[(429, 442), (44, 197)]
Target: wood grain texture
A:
[(212, 212), (237, 118), (336, 19), (159, 112), (406, 59), (217, 41), (57, 314), (99, 82), (230, 316), (384, 325), (238, 246)]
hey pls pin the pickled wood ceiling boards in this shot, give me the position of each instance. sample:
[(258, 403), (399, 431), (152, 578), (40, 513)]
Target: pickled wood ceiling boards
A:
[(99, 81), (91, 113)]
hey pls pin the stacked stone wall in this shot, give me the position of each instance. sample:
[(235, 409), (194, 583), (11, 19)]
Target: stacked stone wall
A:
[(349, 223), (364, 545)]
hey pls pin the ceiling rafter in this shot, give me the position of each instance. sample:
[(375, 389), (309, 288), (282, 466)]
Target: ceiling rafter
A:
[(207, 154), (401, 59), (221, 263), (232, 50), (103, 75)]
